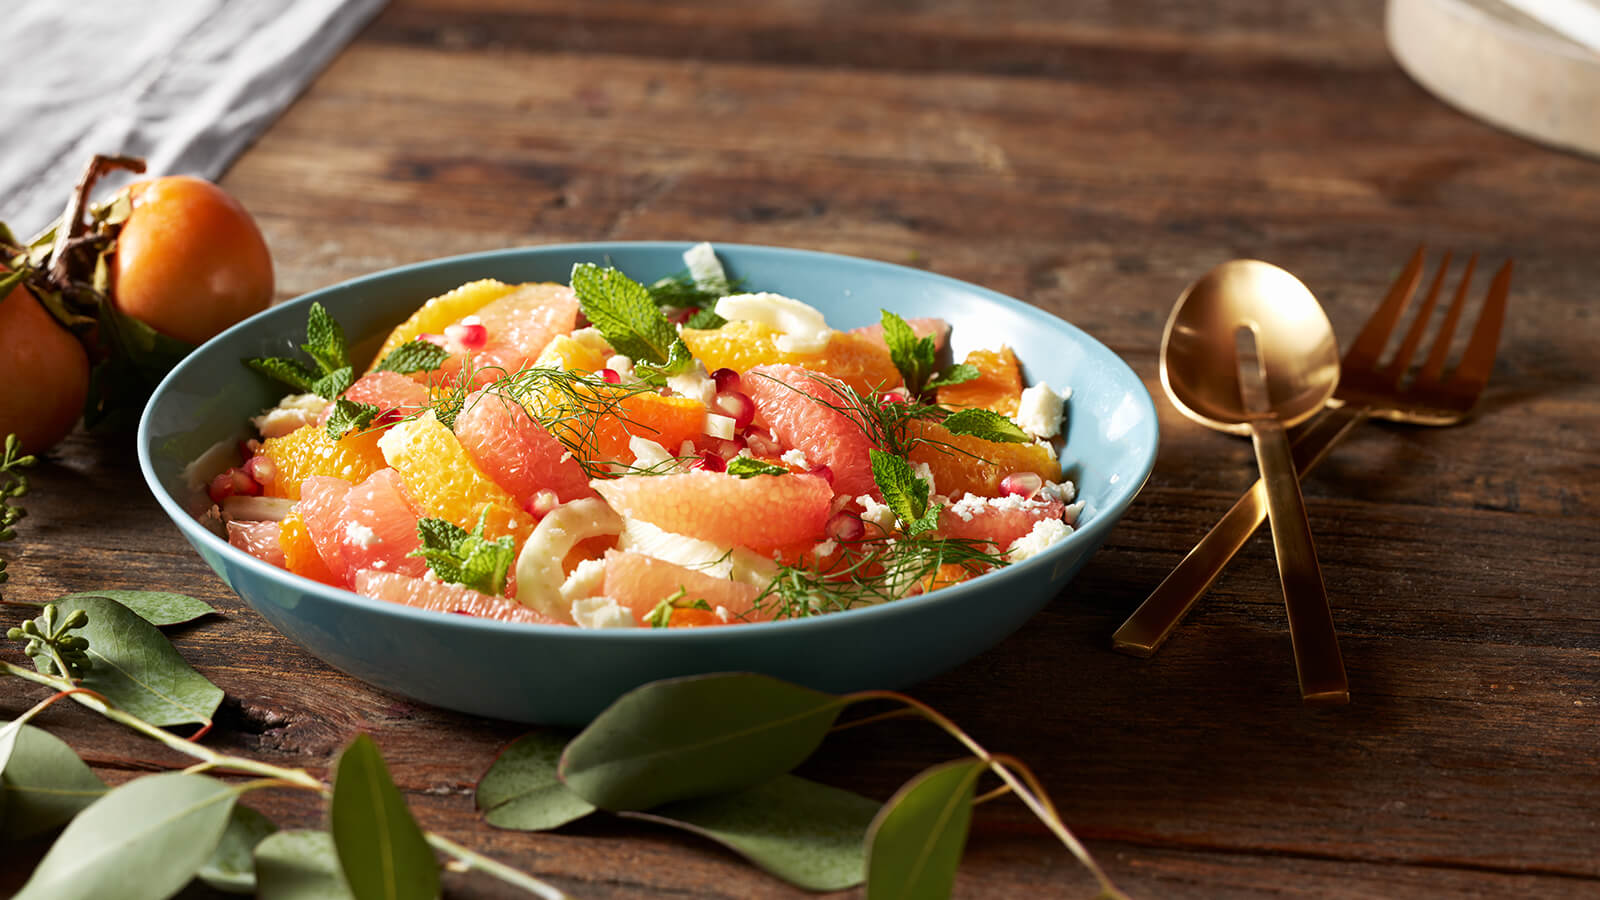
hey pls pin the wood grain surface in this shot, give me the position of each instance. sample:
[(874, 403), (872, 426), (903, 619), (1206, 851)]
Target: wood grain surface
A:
[(1090, 158)]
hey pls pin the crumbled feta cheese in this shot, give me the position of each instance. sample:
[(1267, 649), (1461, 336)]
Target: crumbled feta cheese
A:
[(593, 339), (875, 513), (360, 535), (622, 365), (1064, 491), (796, 458), (292, 412), (601, 612), (1044, 533), (824, 549), (704, 267), (1039, 411), (722, 612), (971, 504), (696, 385), (1074, 510), (720, 426), (801, 328), (647, 453), (586, 580)]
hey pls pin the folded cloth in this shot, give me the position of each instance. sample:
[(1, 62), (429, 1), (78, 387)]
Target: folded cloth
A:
[(186, 84)]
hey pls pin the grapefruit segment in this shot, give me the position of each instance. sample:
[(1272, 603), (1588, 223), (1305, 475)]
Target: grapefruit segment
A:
[(259, 539), (438, 596), (803, 410), (517, 327), (300, 554), (321, 502), (385, 390), (378, 527), (999, 520), (641, 582), (938, 329), (763, 513), (521, 455), (433, 316)]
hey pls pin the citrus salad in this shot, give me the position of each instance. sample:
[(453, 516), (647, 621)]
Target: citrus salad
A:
[(613, 454)]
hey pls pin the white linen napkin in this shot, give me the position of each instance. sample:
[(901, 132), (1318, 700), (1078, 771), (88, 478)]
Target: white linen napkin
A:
[(186, 84)]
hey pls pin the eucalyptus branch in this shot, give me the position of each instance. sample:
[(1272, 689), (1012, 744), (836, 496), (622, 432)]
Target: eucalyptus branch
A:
[(1002, 766)]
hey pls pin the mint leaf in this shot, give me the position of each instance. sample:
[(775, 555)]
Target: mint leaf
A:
[(679, 361), (904, 491), (415, 355), (349, 415), (957, 374), (915, 357), (465, 558), (292, 372), (705, 319), (750, 467), (325, 340), (334, 383), (624, 312), (987, 425)]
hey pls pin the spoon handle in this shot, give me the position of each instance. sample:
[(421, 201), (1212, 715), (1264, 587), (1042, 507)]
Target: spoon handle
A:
[(1316, 645)]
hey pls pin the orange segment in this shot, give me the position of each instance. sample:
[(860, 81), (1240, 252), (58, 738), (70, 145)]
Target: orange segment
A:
[(308, 451), (997, 387), (441, 480), (444, 310), (973, 465), (669, 421), (572, 355), (858, 360), (300, 552), (945, 576)]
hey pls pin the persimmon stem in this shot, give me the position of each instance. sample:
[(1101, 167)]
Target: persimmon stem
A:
[(72, 225)]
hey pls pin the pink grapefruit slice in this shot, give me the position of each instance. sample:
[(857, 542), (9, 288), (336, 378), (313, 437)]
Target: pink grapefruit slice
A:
[(927, 326), (514, 449), (999, 520), (803, 409), (385, 390), (321, 502), (438, 596), (378, 527), (763, 513), (641, 582), (517, 327), (259, 539)]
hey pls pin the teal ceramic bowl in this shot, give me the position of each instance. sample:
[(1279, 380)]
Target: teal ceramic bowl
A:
[(560, 675)]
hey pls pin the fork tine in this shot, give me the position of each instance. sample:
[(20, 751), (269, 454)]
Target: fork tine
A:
[(1434, 366), (1472, 373), (1369, 344), (1402, 357)]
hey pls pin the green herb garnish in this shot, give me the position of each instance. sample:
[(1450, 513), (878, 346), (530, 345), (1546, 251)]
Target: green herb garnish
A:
[(349, 415), (905, 492), (415, 355), (917, 358), (985, 424), (628, 316), (13, 484), (332, 373), (750, 467), (465, 558)]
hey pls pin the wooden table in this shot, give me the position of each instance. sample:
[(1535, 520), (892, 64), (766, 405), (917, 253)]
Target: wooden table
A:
[(1090, 158)]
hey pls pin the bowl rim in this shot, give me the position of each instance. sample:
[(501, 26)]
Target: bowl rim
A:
[(1091, 533)]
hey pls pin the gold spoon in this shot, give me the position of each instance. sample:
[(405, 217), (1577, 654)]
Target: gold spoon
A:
[(1248, 350)]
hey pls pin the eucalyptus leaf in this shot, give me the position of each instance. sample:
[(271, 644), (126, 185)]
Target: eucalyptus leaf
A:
[(142, 841), (232, 867), (693, 737), (810, 835), (299, 865), (44, 785), (521, 791), (155, 607), (381, 850), (137, 670), (916, 841)]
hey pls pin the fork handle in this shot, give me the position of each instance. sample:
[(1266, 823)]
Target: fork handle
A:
[(1159, 615)]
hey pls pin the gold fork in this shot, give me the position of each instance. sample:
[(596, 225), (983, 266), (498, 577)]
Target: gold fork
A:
[(1366, 389)]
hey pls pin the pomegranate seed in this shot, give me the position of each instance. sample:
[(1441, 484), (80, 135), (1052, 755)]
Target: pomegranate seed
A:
[(542, 503), (244, 485), (437, 340), (762, 444), (711, 462), (845, 526), (221, 487), (261, 469), (725, 448), (1021, 484), (736, 406), (895, 395), (726, 379), (388, 417), (610, 376), (823, 472), (470, 336)]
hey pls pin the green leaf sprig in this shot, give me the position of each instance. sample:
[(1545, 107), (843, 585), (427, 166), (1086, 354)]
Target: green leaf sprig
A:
[(750, 467), (54, 650), (350, 415), (330, 374), (415, 355), (917, 357), (985, 424), (13, 484), (905, 492), (466, 557), (628, 316)]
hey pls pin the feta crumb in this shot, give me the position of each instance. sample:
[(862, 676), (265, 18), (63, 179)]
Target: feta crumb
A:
[(801, 327), (593, 339), (875, 513), (622, 365), (601, 612), (1044, 533), (796, 458), (971, 504), (647, 453), (720, 426), (704, 267), (1064, 491), (360, 535), (1039, 411), (722, 613), (824, 549), (696, 385), (292, 412), (586, 580)]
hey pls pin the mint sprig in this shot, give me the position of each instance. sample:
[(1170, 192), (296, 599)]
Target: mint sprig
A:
[(917, 358), (465, 558), (625, 313), (985, 424), (905, 492), (332, 373), (415, 355), (349, 415), (750, 467)]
